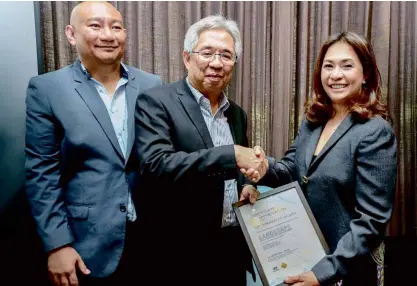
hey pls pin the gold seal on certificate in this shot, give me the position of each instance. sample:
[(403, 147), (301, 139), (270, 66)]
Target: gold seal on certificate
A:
[(282, 233)]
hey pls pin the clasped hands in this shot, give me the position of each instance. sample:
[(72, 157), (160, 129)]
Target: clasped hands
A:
[(251, 162)]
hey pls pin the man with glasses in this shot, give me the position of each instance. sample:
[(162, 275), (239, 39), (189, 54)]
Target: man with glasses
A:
[(190, 140)]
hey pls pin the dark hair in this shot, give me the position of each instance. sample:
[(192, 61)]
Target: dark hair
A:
[(363, 105)]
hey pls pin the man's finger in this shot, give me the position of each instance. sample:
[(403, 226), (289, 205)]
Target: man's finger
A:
[(82, 266), (73, 279), (253, 196), (250, 172), (54, 279), (64, 280), (243, 171)]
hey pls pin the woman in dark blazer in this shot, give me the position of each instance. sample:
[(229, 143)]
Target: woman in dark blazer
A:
[(345, 160)]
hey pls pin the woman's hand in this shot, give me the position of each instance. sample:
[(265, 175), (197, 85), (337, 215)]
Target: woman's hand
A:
[(304, 279)]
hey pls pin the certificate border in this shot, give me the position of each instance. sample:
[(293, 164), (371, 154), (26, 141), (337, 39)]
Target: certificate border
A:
[(237, 205)]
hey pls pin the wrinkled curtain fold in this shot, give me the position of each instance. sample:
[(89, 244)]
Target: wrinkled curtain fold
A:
[(273, 78)]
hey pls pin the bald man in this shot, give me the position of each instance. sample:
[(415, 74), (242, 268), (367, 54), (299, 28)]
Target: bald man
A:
[(79, 168)]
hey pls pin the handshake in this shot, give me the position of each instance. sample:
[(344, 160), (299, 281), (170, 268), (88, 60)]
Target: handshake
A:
[(251, 162)]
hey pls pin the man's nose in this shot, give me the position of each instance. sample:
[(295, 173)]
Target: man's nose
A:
[(216, 61), (107, 34)]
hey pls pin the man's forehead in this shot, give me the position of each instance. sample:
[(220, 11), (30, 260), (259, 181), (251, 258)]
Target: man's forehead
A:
[(208, 37), (89, 10)]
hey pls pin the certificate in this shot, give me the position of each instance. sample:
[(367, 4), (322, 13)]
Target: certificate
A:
[(282, 233)]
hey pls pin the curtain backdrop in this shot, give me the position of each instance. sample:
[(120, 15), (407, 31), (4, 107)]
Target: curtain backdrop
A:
[(281, 41)]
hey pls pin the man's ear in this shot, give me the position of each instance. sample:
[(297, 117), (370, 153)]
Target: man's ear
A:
[(69, 31), (186, 59)]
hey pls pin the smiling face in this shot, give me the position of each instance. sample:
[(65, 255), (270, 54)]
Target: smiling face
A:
[(210, 77), (97, 32), (341, 73)]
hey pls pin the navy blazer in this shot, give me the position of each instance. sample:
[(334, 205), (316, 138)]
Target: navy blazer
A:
[(182, 181), (350, 188), (77, 177)]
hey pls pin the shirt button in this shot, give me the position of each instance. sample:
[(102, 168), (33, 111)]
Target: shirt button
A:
[(122, 208)]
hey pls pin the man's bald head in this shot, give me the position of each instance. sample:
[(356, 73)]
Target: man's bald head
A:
[(79, 13)]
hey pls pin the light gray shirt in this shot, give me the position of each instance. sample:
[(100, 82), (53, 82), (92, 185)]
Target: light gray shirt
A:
[(220, 135), (117, 109)]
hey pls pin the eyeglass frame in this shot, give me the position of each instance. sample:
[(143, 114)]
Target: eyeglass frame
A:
[(214, 55)]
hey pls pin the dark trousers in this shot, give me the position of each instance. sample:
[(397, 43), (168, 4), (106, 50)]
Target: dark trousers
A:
[(128, 270), (234, 258)]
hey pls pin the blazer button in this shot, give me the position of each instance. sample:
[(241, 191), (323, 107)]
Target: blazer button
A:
[(122, 208), (304, 179)]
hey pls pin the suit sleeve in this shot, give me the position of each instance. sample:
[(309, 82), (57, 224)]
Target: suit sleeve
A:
[(376, 168), (280, 172), (42, 166), (160, 160)]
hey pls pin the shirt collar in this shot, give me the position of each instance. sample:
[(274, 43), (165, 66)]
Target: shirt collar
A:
[(224, 102), (124, 70)]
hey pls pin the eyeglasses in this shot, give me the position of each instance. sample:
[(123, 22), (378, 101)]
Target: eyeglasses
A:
[(207, 56)]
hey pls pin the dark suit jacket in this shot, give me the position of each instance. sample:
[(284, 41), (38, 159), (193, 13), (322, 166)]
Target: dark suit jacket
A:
[(77, 177), (182, 179), (350, 188)]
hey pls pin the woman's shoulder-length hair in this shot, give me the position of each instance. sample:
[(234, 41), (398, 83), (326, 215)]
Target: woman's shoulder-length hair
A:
[(363, 105)]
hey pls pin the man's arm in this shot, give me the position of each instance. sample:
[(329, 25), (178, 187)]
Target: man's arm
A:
[(43, 169), (43, 139), (160, 160)]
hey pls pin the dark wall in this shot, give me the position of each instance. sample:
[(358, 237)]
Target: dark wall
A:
[(20, 246)]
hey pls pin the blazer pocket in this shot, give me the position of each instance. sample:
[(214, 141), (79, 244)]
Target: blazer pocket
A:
[(77, 211)]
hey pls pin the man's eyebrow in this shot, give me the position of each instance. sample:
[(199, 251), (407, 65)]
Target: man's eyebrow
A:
[(99, 19), (207, 47)]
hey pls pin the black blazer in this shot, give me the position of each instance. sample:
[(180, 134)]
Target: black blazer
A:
[(350, 188), (182, 175)]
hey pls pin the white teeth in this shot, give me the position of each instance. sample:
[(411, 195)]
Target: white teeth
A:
[(337, 86)]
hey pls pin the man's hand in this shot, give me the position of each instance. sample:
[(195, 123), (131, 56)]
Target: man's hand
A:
[(249, 192), (304, 279), (256, 174), (61, 266)]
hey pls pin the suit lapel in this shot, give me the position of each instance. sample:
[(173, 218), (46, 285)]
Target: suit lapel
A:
[(132, 89), (311, 146), (341, 130), (229, 113), (92, 99), (192, 108)]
